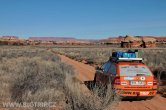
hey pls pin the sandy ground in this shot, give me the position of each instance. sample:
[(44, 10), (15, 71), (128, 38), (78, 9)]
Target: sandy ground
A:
[(86, 73)]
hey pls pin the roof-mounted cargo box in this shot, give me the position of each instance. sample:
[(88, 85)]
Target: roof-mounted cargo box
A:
[(128, 54), (125, 56)]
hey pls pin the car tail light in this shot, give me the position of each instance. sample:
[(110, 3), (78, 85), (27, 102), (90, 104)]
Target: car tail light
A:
[(154, 81), (117, 81)]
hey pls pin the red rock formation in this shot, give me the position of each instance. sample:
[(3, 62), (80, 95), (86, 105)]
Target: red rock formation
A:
[(160, 39), (149, 42), (137, 42)]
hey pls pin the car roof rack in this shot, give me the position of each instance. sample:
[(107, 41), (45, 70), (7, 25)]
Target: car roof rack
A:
[(130, 59), (115, 59)]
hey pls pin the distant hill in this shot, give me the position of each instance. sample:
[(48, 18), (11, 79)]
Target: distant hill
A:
[(9, 37), (72, 40), (52, 38)]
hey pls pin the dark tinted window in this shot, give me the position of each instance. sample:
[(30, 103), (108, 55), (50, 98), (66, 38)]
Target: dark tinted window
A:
[(112, 70), (106, 66)]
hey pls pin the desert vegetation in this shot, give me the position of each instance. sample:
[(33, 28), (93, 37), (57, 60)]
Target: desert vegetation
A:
[(154, 58), (30, 74), (161, 45)]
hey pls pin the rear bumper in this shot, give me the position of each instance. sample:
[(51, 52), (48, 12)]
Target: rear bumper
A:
[(136, 93), (133, 98)]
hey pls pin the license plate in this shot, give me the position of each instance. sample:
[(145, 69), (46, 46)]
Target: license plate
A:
[(144, 93), (137, 83)]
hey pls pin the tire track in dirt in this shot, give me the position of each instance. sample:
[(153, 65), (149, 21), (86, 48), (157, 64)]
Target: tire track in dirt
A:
[(86, 72), (83, 72)]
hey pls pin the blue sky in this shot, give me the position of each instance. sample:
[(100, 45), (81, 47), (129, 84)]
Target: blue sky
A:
[(90, 19)]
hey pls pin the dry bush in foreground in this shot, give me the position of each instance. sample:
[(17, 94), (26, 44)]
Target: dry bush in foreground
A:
[(35, 76), (80, 99), (30, 74)]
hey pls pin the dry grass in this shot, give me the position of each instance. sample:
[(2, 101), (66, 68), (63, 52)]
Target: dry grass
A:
[(80, 100), (154, 58), (30, 74), (161, 45), (90, 55)]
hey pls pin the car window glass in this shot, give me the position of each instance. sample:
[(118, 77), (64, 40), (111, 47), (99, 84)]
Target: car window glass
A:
[(134, 70), (112, 70), (107, 66), (103, 66)]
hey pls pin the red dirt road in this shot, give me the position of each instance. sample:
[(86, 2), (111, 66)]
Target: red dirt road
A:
[(86, 73)]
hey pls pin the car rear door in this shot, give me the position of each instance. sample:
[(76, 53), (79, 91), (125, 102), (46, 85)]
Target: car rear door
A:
[(100, 73), (111, 74), (104, 75)]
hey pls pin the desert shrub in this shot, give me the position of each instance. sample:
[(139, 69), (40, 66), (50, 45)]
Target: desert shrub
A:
[(91, 55), (79, 99), (37, 78), (36, 75), (27, 52), (161, 45), (154, 58)]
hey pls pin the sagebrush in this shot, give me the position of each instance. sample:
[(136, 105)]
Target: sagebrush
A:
[(31, 74)]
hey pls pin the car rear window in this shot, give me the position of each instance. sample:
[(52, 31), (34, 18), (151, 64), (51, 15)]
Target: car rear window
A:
[(134, 70)]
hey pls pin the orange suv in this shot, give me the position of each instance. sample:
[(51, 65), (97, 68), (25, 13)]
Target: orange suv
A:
[(129, 77)]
